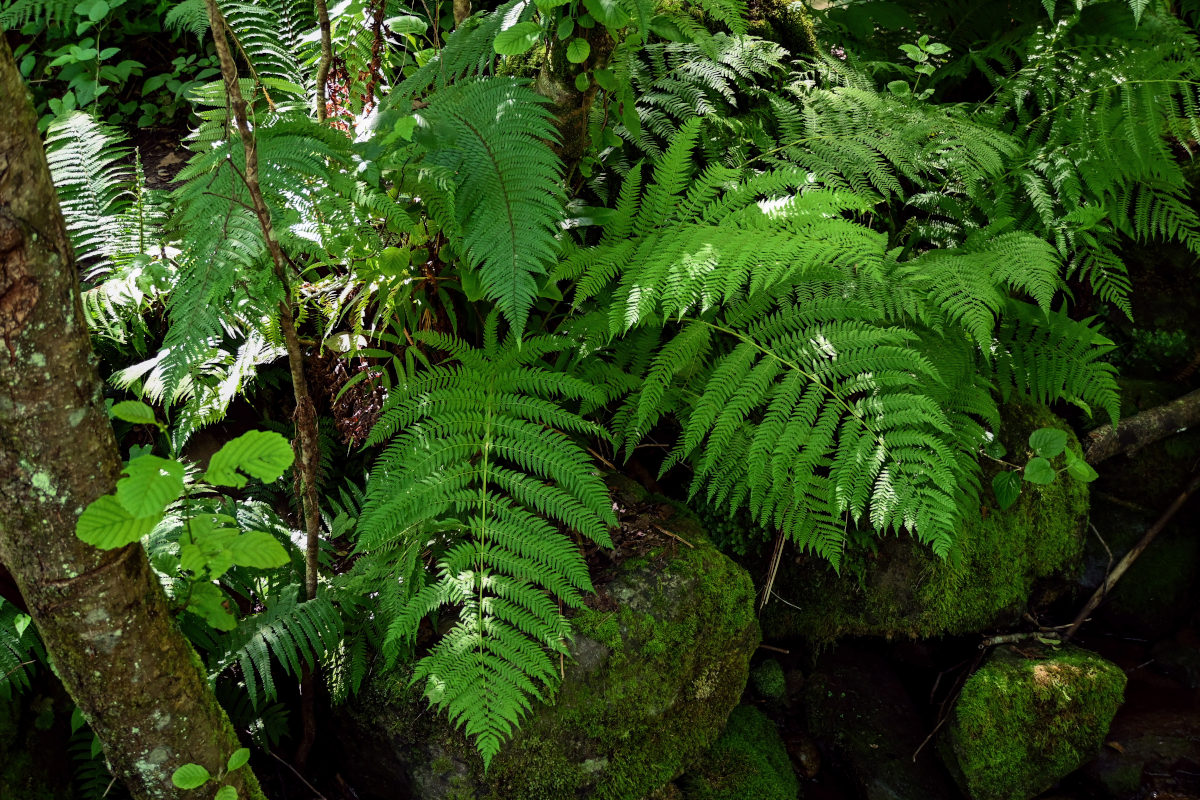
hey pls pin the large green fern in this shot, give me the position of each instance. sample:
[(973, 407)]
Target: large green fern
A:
[(480, 466)]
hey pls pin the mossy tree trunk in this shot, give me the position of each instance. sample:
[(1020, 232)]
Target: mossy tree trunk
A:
[(102, 614)]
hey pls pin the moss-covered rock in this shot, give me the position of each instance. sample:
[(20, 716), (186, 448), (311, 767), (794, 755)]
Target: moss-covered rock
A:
[(900, 589), (769, 681), (748, 761), (660, 659), (1020, 724)]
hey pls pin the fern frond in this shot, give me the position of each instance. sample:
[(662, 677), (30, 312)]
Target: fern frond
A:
[(479, 462)]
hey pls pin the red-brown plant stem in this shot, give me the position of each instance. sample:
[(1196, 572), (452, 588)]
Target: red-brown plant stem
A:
[(305, 418)]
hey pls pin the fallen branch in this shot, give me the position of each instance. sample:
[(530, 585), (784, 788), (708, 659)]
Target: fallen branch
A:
[(1142, 429), (1106, 586)]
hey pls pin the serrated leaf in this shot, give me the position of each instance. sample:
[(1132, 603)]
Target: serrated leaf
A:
[(265, 455), (606, 79), (150, 485), (190, 776), (107, 525), (566, 27), (226, 793), (937, 49), (607, 12), (1007, 486), (258, 549), (134, 411), (518, 39), (209, 602), (666, 28), (1039, 471), (1079, 469), (578, 51), (1048, 442), (239, 759)]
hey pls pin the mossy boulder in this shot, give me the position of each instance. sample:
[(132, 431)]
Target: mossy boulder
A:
[(661, 657), (748, 761), (896, 587), (1022, 723)]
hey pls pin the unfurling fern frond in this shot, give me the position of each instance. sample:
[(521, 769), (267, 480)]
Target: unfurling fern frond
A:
[(480, 465), (289, 633)]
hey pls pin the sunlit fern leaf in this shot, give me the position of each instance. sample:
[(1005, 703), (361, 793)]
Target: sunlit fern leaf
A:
[(291, 634), (479, 450), (494, 135)]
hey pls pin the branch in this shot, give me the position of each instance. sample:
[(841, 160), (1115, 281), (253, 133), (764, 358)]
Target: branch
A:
[(1104, 588), (1142, 429), (326, 57)]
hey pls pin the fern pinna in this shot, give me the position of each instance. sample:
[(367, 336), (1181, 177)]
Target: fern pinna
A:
[(480, 468)]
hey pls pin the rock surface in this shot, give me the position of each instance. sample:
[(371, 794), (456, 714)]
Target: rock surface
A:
[(901, 589), (1025, 720), (748, 762), (660, 658)]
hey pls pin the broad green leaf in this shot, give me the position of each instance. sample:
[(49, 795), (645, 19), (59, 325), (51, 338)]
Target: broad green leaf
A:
[(518, 39), (1079, 469), (606, 79), (226, 793), (578, 51), (666, 28), (258, 549), (913, 52), (1007, 486), (899, 88), (134, 411), (581, 82), (566, 27), (152, 483), (106, 524), (238, 759), (407, 24), (1039, 471), (259, 454), (995, 448), (209, 602), (190, 776), (1048, 442), (937, 49), (607, 12)]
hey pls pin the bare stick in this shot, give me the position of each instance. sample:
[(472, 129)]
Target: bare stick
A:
[(676, 537), (1104, 588)]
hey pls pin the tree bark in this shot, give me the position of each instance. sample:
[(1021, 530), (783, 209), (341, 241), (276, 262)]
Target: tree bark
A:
[(1142, 429), (102, 614)]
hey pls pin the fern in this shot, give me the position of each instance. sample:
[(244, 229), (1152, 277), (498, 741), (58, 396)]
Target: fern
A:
[(480, 465), (21, 650), (295, 635), (492, 135)]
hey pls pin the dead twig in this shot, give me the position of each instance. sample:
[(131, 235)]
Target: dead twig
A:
[(1115, 575)]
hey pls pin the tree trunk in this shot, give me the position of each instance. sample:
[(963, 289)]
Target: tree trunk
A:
[(102, 614)]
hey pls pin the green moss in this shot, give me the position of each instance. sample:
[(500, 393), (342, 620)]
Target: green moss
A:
[(768, 680), (748, 761), (1021, 724), (651, 685), (902, 589)]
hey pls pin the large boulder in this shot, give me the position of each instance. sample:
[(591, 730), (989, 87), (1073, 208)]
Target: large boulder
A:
[(749, 761), (1021, 723), (901, 589), (660, 658)]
